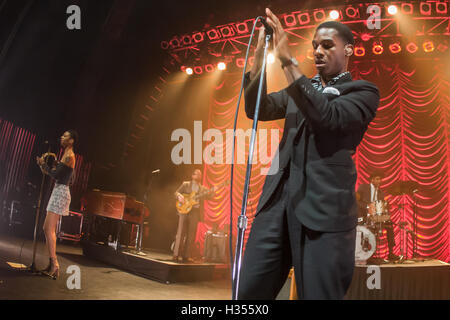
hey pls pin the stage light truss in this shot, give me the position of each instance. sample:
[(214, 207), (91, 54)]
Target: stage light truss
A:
[(229, 42)]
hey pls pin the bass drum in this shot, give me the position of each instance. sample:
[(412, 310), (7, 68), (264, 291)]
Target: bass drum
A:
[(366, 244)]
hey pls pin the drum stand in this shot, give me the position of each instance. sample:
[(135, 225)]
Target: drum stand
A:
[(415, 255), (377, 229), (401, 225)]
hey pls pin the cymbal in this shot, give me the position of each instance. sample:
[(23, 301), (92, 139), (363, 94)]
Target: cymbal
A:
[(403, 187)]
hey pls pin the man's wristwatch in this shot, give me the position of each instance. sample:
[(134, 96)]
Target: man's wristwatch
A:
[(288, 62)]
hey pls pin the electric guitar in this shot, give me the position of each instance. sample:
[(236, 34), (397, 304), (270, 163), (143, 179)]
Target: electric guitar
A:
[(194, 198)]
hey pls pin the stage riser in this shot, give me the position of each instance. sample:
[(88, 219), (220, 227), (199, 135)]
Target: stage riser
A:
[(152, 269), (402, 283)]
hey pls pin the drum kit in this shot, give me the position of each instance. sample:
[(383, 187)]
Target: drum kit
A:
[(370, 228)]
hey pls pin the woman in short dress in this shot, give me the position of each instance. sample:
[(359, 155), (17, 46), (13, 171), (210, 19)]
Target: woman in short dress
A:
[(59, 202)]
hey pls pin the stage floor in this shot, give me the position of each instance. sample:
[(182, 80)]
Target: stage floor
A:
[(99, 281)]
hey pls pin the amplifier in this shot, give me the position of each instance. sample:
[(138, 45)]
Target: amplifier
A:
[(216, 247)]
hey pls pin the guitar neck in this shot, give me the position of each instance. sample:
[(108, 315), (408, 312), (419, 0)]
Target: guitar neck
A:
[(204, 193)]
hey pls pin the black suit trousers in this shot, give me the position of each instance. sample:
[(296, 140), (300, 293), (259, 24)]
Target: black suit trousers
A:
[(323, 261)]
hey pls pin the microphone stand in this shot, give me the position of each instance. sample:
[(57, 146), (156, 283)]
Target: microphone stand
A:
[(145, 199), (242, 219), (32, 268)]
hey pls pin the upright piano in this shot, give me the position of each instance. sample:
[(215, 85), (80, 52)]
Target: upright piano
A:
[(124, 218)]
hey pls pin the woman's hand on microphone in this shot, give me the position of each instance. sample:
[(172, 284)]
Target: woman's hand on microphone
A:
[(39, 161)]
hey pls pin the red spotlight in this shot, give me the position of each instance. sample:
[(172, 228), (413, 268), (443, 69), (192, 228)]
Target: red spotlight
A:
[(441, 7), (425, 8), (209, 68), (304, 18), (366, 36), (412, 47), (359, 51), (407, 8), (198, 70), (240, 62), (198, 37), (351, 12), (319, 15), (395, 47), (428, 46), (227, 31), (242, 28), (377, 48), (213, 34), (290, 20)]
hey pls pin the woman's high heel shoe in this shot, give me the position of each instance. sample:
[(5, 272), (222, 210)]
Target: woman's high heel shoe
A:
[(49, 266), (53, 271)]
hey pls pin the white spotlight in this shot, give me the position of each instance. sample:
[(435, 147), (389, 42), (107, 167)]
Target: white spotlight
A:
[(221, 66), (189, 71), (392, 9), (334, 14)]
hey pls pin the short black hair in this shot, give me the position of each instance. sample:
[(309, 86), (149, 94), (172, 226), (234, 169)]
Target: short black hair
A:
[(376, 174), (73, 135), (344, 32)]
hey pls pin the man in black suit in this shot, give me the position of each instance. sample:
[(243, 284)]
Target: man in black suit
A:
[(307, 213), (366, 195)]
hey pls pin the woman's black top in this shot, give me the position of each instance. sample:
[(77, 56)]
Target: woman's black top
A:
[(61, 173)]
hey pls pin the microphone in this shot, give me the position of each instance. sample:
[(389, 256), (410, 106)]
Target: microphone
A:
[(156, 171), (269, 30)]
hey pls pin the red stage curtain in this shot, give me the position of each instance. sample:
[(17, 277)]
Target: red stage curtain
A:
[(408, 140), (16, 145)]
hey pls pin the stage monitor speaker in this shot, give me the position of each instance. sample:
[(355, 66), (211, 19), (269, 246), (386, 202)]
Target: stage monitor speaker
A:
[(216, 247)]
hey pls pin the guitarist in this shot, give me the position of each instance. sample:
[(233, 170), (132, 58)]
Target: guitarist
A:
[(187, 223)]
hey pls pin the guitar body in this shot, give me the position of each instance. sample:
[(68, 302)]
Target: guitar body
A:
[(189, 202), (192, 199)]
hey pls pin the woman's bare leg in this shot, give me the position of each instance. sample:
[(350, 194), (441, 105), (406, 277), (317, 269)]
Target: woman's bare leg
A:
[(50, 224)]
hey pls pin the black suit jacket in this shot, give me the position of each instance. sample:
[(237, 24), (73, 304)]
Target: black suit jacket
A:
[(321, 133), (364, 198)]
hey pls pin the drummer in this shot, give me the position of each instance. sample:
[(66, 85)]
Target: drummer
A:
[(366, 196)]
